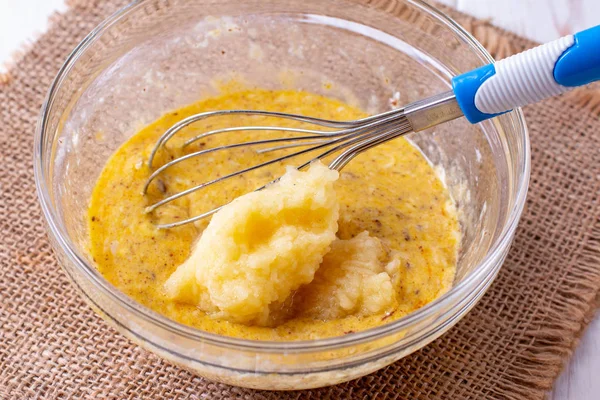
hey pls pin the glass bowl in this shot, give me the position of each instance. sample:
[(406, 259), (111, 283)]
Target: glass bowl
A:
[(154, 56)]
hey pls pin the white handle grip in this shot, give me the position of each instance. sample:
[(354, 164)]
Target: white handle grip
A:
[(529, 77), (524, 78)]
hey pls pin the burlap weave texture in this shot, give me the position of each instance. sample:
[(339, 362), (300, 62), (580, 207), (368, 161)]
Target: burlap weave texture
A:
[(512, 345)]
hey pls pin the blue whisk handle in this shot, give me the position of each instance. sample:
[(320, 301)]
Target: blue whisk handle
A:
[(530, 76)]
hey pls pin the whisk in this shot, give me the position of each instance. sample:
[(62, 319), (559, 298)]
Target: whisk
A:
[(483, 93)]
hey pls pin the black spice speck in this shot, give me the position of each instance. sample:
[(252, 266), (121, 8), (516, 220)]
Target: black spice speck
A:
[(386, 316)]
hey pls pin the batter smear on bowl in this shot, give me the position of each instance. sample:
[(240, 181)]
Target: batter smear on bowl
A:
[(316, 254)]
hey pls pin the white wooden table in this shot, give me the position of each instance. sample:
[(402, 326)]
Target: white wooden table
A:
[(539, 20)]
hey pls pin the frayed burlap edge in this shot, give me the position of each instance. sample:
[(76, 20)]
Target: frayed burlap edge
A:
[(555, 343)]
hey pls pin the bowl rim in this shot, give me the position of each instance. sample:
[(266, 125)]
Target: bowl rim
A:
[(486, 269)]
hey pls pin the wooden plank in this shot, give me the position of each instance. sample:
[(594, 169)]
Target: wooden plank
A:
[(539, 20)]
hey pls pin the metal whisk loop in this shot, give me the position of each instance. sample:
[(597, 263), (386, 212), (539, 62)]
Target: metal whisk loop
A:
[(317, 135), (361, 144), (159, 170), (198, 117), (243, 171), (258, 128), (343, 159), (349, 138)]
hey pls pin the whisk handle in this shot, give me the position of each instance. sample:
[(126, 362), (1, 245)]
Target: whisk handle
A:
[(530, 76)]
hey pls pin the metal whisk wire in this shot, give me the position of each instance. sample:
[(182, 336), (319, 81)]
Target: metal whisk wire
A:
[(348, 137), (300, 118)]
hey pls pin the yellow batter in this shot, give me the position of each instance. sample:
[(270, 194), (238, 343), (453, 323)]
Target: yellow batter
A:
[(390, 191)]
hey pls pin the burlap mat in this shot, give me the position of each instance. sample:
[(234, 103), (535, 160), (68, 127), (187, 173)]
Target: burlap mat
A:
[(512, 345)]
